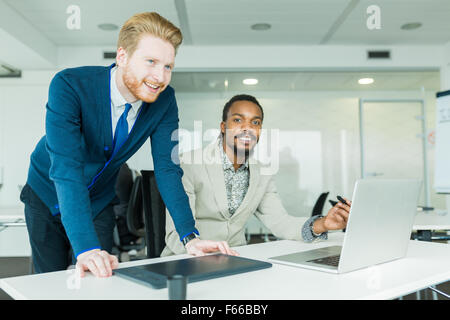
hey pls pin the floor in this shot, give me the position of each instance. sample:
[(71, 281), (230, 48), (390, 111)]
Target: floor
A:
[(17, 266)]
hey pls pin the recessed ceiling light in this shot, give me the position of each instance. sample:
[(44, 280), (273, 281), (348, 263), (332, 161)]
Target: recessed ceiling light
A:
[(261, 26), (411, 26), (107, 26), (250, 82), (365, 81)]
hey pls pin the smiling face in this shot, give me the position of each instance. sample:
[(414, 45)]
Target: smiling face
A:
[(148, 71), (242, 128)]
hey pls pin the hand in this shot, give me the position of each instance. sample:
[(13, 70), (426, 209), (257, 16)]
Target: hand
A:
[(97, 261), (198, 247), (336, 218)]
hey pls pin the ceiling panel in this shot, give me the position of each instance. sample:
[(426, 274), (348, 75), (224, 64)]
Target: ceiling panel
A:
[(216, 22), (304, 81), (49, 17), (433, 14)]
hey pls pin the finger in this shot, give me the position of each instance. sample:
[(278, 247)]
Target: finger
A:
[(100, 264), (336, 216), (227, 248), (79, 268), (231, 251), (106, 259), (114, 261), (343, 214), (222, 248), (344, 206), (92, 267)]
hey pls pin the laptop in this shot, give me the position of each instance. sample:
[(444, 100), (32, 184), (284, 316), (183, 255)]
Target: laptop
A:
[(195, 269), (378, 228)]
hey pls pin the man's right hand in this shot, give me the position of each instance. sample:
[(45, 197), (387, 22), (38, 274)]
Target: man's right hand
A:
[(97, 261), (198, 247)]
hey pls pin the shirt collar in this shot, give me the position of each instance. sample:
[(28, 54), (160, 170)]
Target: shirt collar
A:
[(227, 164), (117, 99)]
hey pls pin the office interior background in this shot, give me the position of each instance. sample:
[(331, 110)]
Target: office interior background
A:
[(307, 57)]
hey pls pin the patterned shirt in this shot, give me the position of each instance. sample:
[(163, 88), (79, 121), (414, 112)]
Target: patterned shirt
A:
[(236, 181)]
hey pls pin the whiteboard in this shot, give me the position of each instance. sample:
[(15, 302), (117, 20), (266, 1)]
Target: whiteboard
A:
[(442, 159)]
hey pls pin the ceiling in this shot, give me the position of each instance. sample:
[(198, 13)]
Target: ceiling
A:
[(304, 81), (219, 22)]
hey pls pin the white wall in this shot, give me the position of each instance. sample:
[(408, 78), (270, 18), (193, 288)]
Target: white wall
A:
[(328, 118), (319, 139), (22, 121)]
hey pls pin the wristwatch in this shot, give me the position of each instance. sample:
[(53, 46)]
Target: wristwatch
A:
[(188, 238)]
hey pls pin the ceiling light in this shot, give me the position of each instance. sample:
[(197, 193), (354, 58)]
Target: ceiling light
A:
[(261, 26), (411, 26), (250, 82), (107, 26), (365, 81)]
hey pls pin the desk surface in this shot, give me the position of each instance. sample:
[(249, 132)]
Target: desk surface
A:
[(431, 220), (11, 212), (426, 264)]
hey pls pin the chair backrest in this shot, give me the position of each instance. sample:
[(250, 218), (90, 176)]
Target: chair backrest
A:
[(318, 206), (154, 215), (135, 213)]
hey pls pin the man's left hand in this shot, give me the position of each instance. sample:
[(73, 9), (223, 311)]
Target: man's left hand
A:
[(336, 218)]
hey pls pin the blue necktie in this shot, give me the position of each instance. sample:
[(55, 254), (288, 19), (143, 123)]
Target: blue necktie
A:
[(121, 133)]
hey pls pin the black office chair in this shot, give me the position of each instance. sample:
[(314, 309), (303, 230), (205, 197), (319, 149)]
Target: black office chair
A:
[(129, 231), (135, 211), (154, 215), (320, 203)]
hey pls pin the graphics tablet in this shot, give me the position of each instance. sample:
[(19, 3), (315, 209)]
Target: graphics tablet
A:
[(195, 269)]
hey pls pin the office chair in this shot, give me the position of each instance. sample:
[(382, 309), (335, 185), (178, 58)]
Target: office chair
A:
[(320, 203), (135, 213), (154, 215), (132, 225)]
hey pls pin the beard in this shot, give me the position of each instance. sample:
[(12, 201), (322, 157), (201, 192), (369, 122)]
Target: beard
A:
[(242, 154), (138, 88)]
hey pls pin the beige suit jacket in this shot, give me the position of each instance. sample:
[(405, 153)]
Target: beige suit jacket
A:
[(204, 183)]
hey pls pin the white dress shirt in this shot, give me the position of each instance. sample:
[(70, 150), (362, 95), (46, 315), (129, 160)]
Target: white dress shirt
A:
[(118, 105)]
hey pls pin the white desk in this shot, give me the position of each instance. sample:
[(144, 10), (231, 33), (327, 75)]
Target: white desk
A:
[(431, 221), (426, 264), (13, 232), (428, 221)]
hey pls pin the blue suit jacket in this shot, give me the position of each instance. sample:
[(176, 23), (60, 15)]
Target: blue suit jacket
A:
[(71, 169)]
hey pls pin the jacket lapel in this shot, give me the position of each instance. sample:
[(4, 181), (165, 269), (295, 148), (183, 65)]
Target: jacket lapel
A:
[(213, 165), (103, 99)]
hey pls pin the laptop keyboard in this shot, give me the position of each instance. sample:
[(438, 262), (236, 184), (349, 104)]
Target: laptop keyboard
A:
[(329, 261)]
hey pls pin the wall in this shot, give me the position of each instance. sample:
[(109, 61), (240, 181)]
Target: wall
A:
[(22, 120), (318, 139), (318, 134)]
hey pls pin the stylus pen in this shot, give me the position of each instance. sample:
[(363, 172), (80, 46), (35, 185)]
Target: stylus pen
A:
[(344, 202), (333, 203), (341, 200)]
